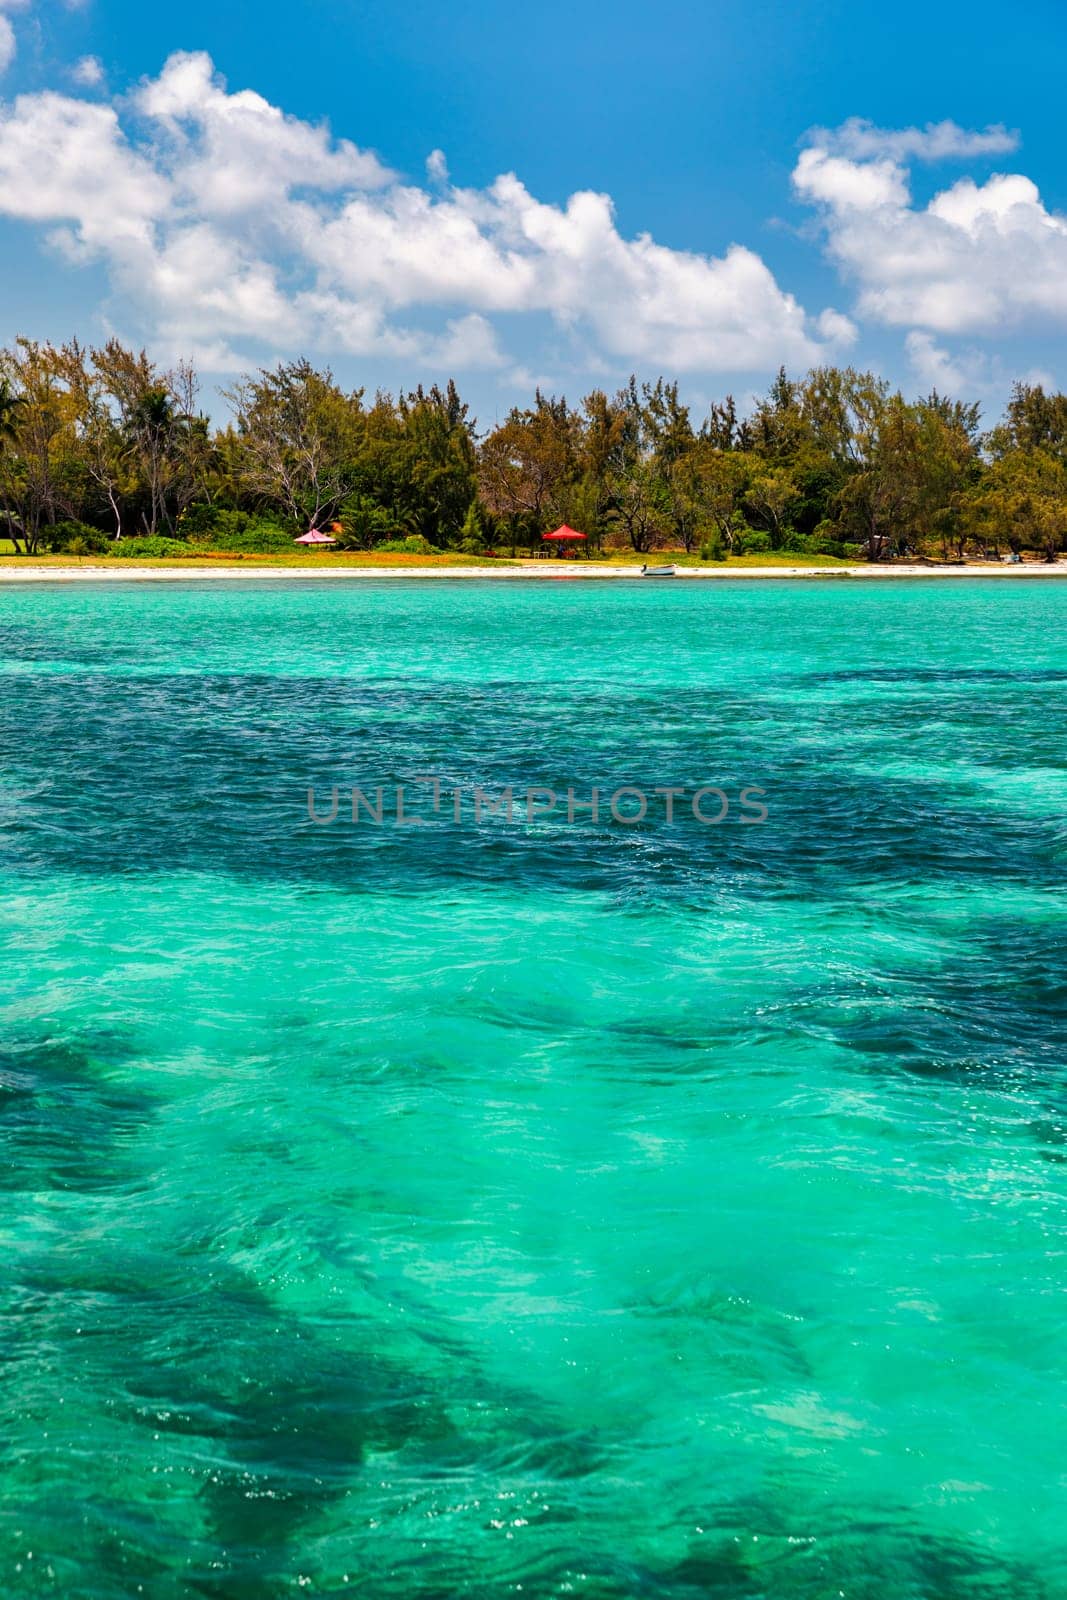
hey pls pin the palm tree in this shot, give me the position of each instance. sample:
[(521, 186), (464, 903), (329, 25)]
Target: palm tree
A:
[(156, 430), (10, 406)]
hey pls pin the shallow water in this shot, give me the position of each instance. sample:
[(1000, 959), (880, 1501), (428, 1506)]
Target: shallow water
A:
[(540, 1207)]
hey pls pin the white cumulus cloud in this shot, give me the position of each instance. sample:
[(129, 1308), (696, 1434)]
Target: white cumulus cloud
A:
[(224, 222), (861, 140), (231, 153), (68, 162), (8, 42), (89, 72), (971, 372), (976, 259)]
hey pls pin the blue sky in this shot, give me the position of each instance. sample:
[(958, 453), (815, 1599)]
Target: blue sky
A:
[(133, 209)]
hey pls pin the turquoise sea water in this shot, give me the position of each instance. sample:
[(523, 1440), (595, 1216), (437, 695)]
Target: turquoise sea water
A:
[(540, 1208)]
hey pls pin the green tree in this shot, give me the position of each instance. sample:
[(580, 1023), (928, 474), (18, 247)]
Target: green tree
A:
[(111, 476), (949, 464), (11, 406), (40, 475), (600, 445), (528, 464), (770, 496), (165, 443), (723, 477), (1021, 497), (365, 523), (472, 533), (435, 476), (298, 440), (1035, 420)]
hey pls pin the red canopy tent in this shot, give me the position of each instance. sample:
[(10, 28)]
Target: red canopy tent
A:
[(562, 535)]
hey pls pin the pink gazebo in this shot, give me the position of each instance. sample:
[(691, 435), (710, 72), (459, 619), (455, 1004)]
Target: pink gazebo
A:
[(315, 536)]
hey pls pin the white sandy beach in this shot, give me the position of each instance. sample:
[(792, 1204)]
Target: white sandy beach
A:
[(177, 572)]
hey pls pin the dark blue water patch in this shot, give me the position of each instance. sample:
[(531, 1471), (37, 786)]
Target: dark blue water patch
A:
[(270, 1446), (66, 1120), (911, 673), (213, 774), (812, 844), (757, 1548), (748, 1549), (1049, 1133), (996, 1011), (156, 1325), (40, 646)]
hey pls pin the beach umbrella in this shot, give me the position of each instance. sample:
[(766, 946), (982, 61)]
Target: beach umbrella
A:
[(314, 536), (563, 534)]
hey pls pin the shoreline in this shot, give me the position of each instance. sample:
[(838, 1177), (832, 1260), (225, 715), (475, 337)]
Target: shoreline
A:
[(131, 572)]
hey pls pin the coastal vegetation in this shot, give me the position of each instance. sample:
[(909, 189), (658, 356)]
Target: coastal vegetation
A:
[(104, 452)]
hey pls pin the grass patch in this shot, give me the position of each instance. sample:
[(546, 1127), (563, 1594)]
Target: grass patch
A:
[(318, 560), (666, 558), (779, 558), (311, 559)]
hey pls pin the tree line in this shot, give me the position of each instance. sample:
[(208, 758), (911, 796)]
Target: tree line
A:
[(102, 449)]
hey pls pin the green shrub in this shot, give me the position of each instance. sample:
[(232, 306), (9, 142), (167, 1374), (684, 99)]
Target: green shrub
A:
[(219, 528), (261, 535), (414, 545), (713, 548), (152, 548), (753, 541), (472, 533), (794, 541), (825, 540), (201, 520), (75, 538), (365, 523)]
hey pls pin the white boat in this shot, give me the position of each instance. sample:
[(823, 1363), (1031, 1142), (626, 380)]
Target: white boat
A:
[(657, 572)]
